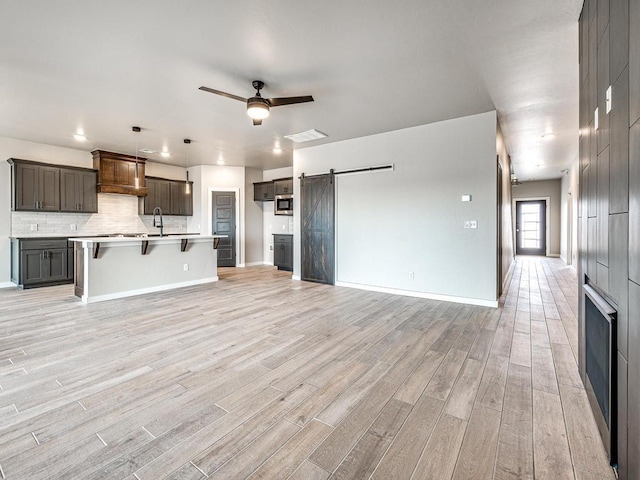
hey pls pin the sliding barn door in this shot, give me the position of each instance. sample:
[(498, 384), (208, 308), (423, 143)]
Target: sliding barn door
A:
[(317, 229)]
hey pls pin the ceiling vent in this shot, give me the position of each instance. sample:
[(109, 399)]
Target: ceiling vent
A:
[(307, 136)]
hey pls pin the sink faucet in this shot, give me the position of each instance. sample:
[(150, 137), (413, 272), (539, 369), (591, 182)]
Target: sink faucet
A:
[(156, 223)]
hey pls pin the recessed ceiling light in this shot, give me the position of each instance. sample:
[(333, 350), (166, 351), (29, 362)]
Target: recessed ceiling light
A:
[(540, 165), (147, 151), (165, 154), (220, 161), (548, 136), (80, 137), (307, 136), (277, 151)]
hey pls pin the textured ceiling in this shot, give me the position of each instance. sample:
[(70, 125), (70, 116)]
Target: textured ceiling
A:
[(372, 66)]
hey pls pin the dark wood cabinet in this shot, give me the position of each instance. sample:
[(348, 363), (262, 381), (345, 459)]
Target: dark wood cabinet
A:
[(40, 261), (42, 187), (181, 201), (78, 190), (35, 186), (170, 195), (263, 192), (283, 252), (117, 173), (283, 186)]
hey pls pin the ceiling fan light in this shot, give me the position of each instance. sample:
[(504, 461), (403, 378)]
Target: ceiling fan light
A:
[(257, 108)]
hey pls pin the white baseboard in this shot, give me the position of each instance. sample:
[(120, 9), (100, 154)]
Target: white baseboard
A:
[(8, 285), (296, 277), (554, 255), (142, 291), (256, 264), (430, 296)]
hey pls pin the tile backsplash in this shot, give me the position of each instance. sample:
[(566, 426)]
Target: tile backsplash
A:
[(117, 214)]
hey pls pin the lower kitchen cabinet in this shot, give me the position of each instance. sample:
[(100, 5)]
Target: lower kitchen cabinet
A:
[(283, 252), (39, 262)]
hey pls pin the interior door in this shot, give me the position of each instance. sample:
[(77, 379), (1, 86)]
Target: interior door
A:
[(224, 223), (317, 229), (531, 227)]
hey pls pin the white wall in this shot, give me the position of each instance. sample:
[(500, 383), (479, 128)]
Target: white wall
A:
[(569, 216), (274, 223), (411, 219), (254, 220), (508, 250), (207, 179), (540, 189)]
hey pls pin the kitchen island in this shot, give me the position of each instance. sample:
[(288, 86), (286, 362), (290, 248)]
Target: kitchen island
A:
[(115, 267)]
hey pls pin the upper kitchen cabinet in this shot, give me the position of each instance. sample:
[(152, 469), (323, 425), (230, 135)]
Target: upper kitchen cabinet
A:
[(117, 173), (181, 201), (35, 186), (169, 195), (283, 186), (263, 192), (78, 190)]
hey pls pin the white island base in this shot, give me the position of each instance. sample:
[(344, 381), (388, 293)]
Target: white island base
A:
[(107, 268)]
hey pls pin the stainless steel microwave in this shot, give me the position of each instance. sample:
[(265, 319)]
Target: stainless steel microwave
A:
[(283, 205)]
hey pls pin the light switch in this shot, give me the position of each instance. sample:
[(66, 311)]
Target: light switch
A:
[(466, 198), (470, 224)]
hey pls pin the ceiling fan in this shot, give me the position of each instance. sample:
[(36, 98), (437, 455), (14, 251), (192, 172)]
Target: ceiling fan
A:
[(257, 106)]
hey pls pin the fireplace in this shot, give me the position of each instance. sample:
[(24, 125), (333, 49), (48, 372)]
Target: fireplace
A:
[(600, 363)]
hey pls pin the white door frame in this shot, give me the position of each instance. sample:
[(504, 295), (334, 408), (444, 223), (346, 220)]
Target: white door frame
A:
[(546, 215), (239, 220)]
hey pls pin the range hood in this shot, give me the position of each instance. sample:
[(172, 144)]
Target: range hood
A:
[(117, 173)]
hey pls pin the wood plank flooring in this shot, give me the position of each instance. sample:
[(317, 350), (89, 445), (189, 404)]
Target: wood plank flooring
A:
[(261, 377)]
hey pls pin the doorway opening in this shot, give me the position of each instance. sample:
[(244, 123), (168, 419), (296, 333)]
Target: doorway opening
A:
[(223, 222), (531, 227)]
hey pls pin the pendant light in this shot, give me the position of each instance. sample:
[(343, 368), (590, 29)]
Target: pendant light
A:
[(187, 186), (136, 178)]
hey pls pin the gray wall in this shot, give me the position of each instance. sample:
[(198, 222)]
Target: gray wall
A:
[(609, 207), (551, 189), (507, 249), (411, 219), (253, 219)]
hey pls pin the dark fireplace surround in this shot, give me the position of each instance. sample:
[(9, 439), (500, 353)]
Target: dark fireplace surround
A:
[(601, 366)]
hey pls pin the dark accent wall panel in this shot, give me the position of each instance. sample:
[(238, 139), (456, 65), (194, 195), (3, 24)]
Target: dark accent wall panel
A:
[(619, 32), (592, 199), (603, 276), (634, 202), (591, 248), (619, 273), (603, 84), (619, 155), (602, 199), (603, 17), (634, 382), (623, 419), (634, 61)]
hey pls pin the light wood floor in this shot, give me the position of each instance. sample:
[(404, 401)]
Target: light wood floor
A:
[(259, 376)]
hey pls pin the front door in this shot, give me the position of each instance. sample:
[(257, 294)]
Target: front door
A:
[(531, 227), (224, 223), (317, 229)]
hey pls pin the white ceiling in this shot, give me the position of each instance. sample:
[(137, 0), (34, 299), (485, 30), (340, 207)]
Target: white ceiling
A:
[(371, 65)]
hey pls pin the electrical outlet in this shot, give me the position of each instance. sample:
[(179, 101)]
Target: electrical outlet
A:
[(185, 267), (34, 227), (470, 224), (412, 275), (72, 227), (271, 248)]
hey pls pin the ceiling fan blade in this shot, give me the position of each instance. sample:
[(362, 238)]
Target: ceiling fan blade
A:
[(277, 102), (257, 121), (224, 94)]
